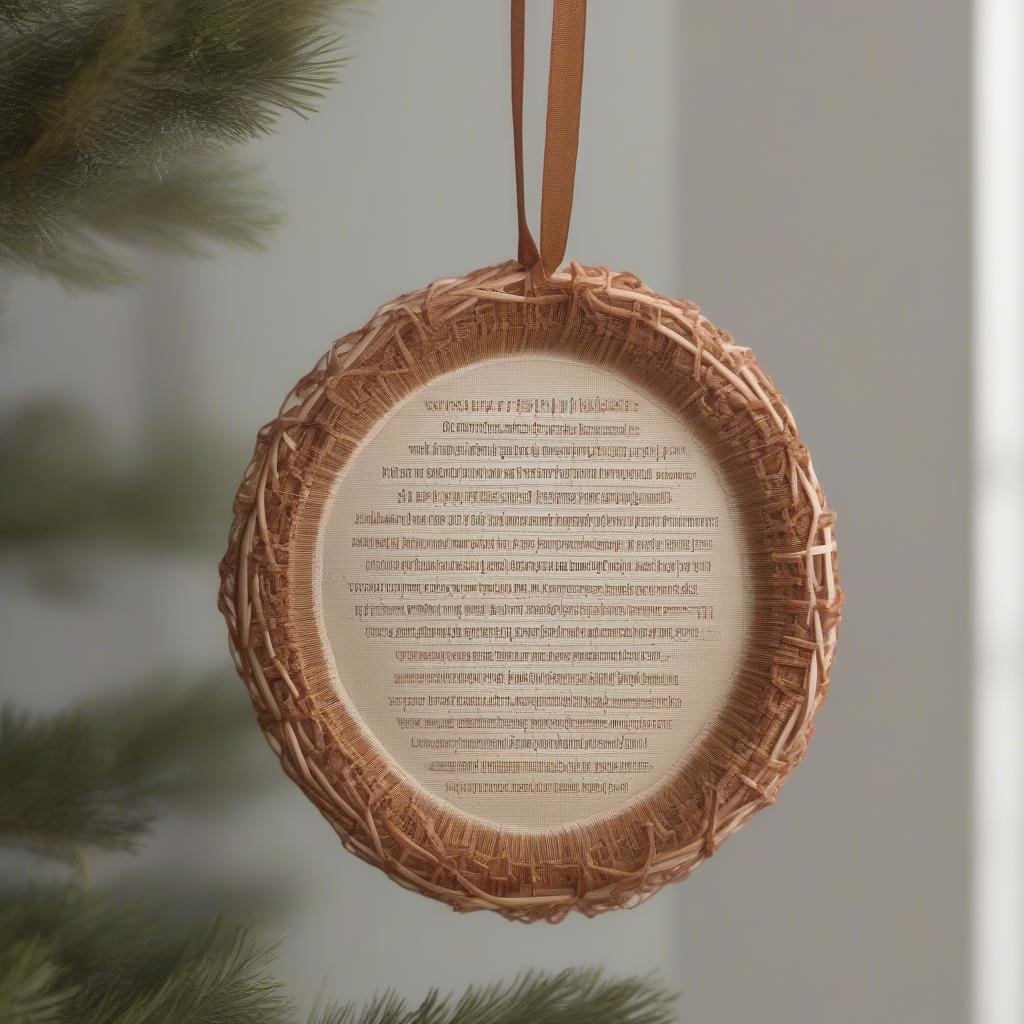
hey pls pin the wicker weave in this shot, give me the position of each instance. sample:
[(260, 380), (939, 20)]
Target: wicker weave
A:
[(668, 348)]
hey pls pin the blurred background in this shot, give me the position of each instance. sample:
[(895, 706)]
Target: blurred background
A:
[(799, 168)]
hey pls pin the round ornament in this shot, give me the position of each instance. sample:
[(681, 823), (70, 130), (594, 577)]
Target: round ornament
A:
[(531, 580)]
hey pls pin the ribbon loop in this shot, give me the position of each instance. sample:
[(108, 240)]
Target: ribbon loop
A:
[(562, 132)]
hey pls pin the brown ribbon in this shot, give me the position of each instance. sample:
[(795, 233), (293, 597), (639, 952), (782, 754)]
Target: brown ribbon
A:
[(562, 134)]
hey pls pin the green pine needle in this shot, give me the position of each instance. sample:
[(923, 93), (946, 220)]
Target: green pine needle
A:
[(218, 976), (74, 957), (61, 488), (571, 996), (94, 777), (114, 116), (80, 957), (32, 990)]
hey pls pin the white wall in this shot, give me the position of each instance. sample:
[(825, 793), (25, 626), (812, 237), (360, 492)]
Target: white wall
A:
[(825, 222)]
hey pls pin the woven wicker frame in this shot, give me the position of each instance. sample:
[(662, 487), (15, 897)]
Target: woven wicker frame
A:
[(663, 345)]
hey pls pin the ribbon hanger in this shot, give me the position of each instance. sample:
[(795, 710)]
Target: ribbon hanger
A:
[(562, 133)]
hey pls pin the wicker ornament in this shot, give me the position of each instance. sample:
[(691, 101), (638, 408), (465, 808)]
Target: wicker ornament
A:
[(531, 580)]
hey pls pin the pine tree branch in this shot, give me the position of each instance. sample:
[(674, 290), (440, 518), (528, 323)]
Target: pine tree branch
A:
[(124, 965), (113, 111), (94, 777), (202, 198), (572, 996), (218, 976), (102, 963), (32, 990), (59, 487)]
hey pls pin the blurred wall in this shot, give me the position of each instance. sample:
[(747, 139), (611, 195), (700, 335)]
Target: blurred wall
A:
[(800, 168), (825, 222)]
